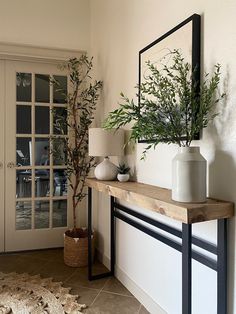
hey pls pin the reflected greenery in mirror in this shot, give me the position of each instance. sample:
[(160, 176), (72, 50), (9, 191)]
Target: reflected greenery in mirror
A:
[(172, 107)]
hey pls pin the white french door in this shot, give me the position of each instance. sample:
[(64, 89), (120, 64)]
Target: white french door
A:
[(2, 152), (36, 194)]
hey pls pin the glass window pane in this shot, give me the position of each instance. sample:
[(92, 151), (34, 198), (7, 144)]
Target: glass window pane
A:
[(23, 215), (42, 88), (59, 153), (60, 89), (23, 151), (42, 152), (42, 120), (59, 182), (60, 120), (23, 183), (23, 86), (42, 182), (59, 218), (23, 120), (41, 214)]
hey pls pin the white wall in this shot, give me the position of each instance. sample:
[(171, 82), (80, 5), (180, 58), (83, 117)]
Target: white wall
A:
[(53, 23), (63, 24), (119, 29)]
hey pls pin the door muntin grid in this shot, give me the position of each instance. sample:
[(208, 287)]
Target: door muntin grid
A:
[(41, 185)]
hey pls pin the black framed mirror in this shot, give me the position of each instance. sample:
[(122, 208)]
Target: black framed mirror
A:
[(185, 37)]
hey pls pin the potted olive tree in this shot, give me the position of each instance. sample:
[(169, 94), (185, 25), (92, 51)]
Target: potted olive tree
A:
[(172, 109), (81, 105)]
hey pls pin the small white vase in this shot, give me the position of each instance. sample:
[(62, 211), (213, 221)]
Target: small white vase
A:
[(123, 177), (189, 176)]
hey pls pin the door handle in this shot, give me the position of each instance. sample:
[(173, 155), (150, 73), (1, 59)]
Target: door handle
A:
[(1, 165), (11, 165)]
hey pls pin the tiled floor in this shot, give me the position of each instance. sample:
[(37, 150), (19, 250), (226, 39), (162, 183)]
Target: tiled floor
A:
[(104, 296)]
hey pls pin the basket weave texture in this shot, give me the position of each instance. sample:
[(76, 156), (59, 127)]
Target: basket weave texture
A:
[(76, 251)]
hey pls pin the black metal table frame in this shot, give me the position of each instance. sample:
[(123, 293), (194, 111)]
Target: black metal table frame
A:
[(220, 250)]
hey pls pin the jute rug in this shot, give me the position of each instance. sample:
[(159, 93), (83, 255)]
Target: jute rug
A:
[(25, 294)]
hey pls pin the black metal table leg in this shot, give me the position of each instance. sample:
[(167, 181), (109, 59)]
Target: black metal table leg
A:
[(90, 254), (222, 266), (112, 222), (186, 268), (90, 234)]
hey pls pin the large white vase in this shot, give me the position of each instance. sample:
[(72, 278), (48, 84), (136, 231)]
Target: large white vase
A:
[(189, 176)]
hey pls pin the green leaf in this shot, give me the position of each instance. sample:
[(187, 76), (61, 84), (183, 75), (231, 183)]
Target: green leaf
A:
[(171, 108)]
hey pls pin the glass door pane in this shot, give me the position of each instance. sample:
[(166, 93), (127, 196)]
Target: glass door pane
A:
[(23, 87)]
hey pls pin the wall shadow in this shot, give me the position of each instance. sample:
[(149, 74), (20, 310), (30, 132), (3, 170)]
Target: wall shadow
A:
[(222, 185)]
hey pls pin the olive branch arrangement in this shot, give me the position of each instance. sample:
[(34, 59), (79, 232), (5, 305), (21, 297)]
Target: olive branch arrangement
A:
[(172, 107), (81, 102)]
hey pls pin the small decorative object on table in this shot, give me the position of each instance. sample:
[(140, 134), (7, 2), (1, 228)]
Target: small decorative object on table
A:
[(105, 143), (123, 173), (173, 107)]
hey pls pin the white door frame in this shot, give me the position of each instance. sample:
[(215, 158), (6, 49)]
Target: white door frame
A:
[(17, 52), (2, 154), (28, 53)]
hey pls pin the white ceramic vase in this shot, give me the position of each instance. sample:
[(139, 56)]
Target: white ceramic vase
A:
[(123, 177), (106, 170), (189, 176)]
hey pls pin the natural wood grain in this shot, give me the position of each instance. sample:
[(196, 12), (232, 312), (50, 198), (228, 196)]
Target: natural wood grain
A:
[(159, 200)]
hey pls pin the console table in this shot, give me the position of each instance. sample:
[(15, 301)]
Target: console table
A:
[(159, 200)]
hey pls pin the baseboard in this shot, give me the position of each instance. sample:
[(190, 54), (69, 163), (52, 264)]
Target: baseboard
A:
[(137, 291)]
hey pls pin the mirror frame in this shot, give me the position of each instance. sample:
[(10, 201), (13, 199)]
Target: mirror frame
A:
[(196, 54)]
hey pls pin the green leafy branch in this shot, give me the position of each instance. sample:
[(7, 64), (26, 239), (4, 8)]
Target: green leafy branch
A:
[(172, 108), (81, 105)]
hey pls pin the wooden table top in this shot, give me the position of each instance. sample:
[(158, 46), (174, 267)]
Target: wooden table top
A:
[(159, 200)]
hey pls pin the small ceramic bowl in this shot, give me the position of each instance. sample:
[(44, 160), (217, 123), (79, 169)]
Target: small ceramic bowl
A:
[(123, 177)]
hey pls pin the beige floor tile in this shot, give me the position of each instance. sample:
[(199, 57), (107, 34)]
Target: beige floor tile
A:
[(109, 303), (57, 270), (113, 299), (20, 264), (48, 255), (80, 278), (8, 263), (99, 267), (86, 295), (115, 286), (143, 310), (28, 265)]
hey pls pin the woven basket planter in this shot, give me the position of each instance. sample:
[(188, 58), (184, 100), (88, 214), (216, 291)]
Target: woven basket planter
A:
[(76, 250)]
